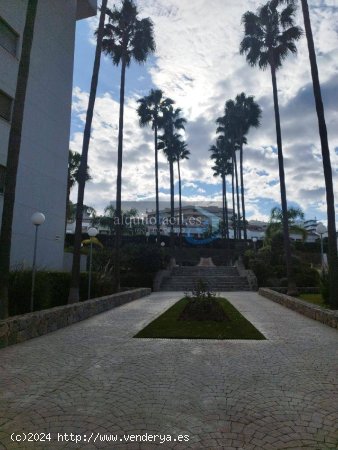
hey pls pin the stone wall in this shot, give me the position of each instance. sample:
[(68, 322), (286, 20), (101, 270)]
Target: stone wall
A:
[(249, 274), (27, 326), (315, 312)]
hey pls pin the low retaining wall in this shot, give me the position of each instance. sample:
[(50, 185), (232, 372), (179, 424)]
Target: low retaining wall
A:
[(21, 328), (300, 290), (307, 309)]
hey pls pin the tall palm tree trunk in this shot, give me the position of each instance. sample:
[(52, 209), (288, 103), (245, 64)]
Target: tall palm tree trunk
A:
[(287, 247), (172, 204), (223, 208), (75, 281), (118, 211), (237, 196), (67, 204), (233, 198), (331, 216), (242, 190), (180, 199), (14, 145), (226, 208), (156, 188)]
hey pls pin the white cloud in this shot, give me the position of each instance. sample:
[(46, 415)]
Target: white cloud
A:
[(198, 65)]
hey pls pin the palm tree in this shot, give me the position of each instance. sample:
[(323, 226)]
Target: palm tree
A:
[(82, 174), (270, 35), (227, 128), (108, 220), (172, 121), (331, 215), (248, 114), (276, 222), (74, 161), (13, 155), (181, 152), (220, 153), (151, 110), (126, 38)]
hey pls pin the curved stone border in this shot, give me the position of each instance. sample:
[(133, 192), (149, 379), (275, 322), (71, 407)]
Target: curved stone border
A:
[(27, 326), (325, 316)]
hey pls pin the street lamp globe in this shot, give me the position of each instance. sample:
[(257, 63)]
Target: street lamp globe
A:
[(38, 218), (92, 232), (321, 229)]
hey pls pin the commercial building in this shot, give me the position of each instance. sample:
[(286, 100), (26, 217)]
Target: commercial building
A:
[(42, 172)]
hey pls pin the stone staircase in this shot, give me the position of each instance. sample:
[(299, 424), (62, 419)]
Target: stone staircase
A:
[(220, 278)]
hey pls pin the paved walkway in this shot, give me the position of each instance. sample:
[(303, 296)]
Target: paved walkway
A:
[(93, 377)]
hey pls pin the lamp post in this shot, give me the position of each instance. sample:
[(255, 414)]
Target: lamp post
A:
[(321, 229), (37, 219), (92, 232)]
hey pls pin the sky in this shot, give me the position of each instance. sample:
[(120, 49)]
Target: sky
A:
[(197, 64)]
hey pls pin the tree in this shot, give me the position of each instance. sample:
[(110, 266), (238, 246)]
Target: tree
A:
[(82, 174), (126, 38), (151, 110), (172, 121), (227, 129), (74, 161), (130, 222), (248, 114), (270, 36), (13, 155), (276, 222), (181, 152), (331, 215), (220, 154)]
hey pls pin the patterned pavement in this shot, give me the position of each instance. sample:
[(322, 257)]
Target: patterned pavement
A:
[(87, 385)]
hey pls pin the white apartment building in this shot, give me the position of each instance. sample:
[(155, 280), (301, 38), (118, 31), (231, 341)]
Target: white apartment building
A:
[(42, 174)]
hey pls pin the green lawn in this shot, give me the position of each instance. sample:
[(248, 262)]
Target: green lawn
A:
[(316, 299), (168, 325)]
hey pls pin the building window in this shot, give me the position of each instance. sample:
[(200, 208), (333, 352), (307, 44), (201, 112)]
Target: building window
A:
[(2, 178), (8, 38), (5, 106)]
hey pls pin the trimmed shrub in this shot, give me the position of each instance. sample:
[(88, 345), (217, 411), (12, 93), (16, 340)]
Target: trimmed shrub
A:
[(325, 286), (51, 289)]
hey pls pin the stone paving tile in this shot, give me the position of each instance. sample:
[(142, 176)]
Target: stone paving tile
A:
[(93, 377)]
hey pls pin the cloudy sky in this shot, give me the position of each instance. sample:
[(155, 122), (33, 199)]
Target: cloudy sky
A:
[(197, 63)]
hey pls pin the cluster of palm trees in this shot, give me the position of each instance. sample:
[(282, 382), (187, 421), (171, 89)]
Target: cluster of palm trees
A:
[(159, 112), (123, 38), (270, 35), (240, 115)]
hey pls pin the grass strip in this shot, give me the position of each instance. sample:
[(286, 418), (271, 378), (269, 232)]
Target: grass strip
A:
[(168, 326)]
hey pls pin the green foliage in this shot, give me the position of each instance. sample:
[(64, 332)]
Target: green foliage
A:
[(262, 271), (141, 258), (201, 291), (51, 289), (325, 286), (306, 276), (139, 264), (202, 304)]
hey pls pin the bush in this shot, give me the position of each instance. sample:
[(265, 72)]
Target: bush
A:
[(306, 276), (325, 286), (142, 258), (20, 287), (262, 271), (134, 279), (51, 289)]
